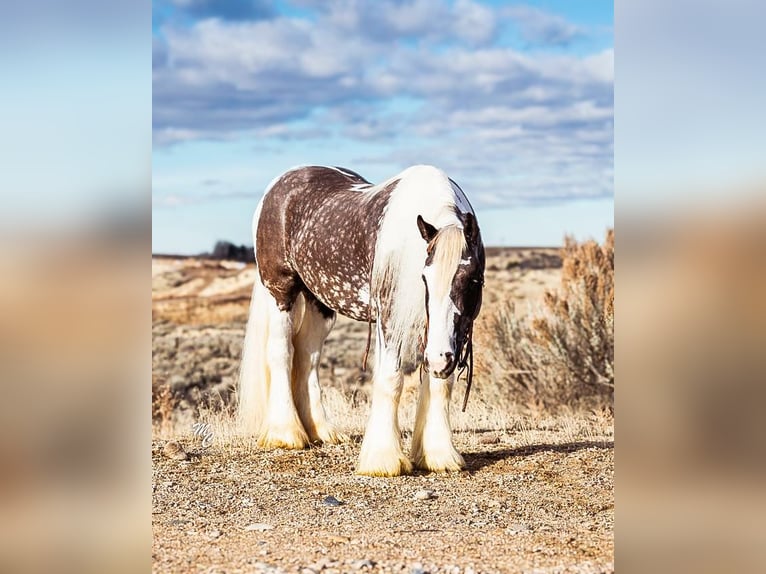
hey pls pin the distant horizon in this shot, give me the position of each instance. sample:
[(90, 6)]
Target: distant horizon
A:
[(250, 246)]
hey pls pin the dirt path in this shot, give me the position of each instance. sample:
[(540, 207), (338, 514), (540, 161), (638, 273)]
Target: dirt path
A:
[(542, 507)]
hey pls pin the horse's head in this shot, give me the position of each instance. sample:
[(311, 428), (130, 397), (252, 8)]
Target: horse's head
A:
[(454, 277)]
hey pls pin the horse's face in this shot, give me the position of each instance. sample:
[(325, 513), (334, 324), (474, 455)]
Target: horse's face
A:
[(454, 304)]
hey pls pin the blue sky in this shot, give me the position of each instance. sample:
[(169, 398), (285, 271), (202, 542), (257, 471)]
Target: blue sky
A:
[(514, 101)]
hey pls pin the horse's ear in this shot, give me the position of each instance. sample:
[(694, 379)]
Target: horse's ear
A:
[(427, 231), (471, 228)]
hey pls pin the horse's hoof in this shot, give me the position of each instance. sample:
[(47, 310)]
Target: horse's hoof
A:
[(291, 438), (329, 435), (440, 460), (383, 464)]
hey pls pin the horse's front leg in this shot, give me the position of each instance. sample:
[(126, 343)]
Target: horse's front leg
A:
[(381, 453), (432, 447)]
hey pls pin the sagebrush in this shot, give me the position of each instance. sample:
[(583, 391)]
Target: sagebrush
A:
[(562, 353)]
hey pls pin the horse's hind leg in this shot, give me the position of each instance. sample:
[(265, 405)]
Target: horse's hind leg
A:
[(381, 453), (307, 393), (282, 427)]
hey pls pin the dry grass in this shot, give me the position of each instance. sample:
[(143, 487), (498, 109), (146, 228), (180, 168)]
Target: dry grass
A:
[(525, 425), (558, 355), (562, 353)]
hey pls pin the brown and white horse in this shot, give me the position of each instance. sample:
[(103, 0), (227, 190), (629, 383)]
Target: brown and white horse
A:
[(405, 254)]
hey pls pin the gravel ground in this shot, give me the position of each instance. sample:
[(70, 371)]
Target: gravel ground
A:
[(546, 507), (537, 495)]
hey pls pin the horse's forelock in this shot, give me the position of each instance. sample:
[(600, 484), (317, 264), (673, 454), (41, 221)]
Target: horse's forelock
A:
[(446, 253)]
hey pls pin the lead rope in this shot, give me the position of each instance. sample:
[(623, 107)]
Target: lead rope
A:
[(369, 338), (467, 360), (369, 327)]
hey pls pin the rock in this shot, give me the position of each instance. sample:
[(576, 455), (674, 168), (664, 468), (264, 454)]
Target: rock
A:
[(258, 527), (331, 501), (213, 534), (175, 451), (489, 439), (363, 564), (178, 383), (418, 569), (267, 568), (517, 528), (309, 571), (425, 494)]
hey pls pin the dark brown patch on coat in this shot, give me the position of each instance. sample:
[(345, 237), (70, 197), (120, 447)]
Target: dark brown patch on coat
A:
[(316, 235)]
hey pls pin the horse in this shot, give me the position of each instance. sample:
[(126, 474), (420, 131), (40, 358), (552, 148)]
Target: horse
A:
[(405, 254)]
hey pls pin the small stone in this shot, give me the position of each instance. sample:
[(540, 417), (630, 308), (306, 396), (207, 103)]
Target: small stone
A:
[(213, 534), (309, 571), (331, 501), (336, 538), (517, 528), (175, 451), (362, 564), (425, 494), (418, 569), (489, 439), (259, 527)]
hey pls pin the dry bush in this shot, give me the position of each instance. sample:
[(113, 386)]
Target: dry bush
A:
[(563, 352), (163, 406)]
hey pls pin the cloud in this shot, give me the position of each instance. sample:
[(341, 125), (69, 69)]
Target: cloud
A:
[(539, 27), (390, 21), (519, 125)]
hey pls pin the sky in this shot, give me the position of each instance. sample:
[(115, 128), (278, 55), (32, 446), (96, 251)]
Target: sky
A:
[(513, 101)]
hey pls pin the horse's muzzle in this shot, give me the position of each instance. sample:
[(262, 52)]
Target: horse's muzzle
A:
[(450, 362)]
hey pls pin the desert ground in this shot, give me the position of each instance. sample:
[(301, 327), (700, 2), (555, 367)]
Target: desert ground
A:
[(536, 495)]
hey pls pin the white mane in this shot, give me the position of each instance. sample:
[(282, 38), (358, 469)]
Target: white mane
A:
[(400, 251)]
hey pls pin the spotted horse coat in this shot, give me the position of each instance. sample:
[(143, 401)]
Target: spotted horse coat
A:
[(309, 239), (405, 254)]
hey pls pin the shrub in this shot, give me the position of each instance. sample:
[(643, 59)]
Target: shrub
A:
[(563, 353)]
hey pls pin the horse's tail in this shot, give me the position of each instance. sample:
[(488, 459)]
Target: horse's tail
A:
[(254, 375)]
